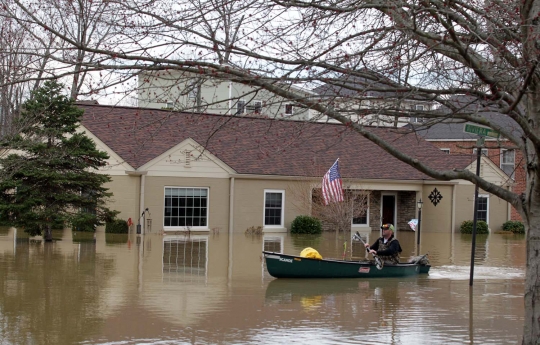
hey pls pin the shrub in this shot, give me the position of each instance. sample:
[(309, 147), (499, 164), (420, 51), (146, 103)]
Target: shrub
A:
[(515, 226), (467, 227), (306, 225), (83, 224), (116, 226), (254, 230)]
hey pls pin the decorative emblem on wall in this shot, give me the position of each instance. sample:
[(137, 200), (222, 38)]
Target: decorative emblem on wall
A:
[(435, 197)]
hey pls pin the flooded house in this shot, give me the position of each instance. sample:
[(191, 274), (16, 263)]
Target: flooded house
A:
[(197, 172)]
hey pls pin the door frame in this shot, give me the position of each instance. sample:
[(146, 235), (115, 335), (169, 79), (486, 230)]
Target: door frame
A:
[(394, 194)]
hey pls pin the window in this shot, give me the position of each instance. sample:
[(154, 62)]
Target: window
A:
[(417, 119), (484, 152), (186, 207), (445, 150), (288, 109), (240, 107), (483, 208), (273, 208), (508, 160), (361, 210), (193, 89), (170, 105), (257, 107)]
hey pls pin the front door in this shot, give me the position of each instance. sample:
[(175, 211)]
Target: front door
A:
[(388, 209)]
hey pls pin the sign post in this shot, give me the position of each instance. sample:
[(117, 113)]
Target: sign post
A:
[(482, 132)]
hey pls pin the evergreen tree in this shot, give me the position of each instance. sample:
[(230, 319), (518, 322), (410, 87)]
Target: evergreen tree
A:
[(49, 175)]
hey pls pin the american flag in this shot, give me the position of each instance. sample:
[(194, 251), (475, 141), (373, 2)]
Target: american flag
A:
[(332, 190), (413, 223)]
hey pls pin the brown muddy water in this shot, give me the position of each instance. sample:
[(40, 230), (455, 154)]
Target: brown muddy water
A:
[(214, 289)]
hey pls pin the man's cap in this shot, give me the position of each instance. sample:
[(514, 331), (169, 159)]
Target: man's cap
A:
[(387, 226)]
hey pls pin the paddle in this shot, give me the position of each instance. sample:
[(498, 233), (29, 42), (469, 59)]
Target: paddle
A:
[(378, 262)]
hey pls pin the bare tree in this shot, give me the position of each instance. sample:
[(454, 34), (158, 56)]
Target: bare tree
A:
[(426, 51), (336, 216), (17, 71)]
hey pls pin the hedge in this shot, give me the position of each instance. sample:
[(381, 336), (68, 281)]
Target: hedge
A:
[(306, 225), (515, 226), (116, 226), (467, 227)]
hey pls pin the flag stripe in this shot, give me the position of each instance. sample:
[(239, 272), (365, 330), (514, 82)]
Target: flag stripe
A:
[(332, 186)]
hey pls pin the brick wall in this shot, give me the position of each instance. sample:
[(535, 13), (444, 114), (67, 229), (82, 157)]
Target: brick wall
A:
[(406, 204), (375, 210)]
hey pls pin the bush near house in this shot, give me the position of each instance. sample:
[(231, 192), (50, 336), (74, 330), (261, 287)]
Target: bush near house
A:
[(116, 226), (83, 223), (515, 226), (306, 225), (467, 227)]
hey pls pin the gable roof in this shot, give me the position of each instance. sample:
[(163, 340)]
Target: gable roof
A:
[(354, 86), (367, 84), (261, 146), (452, 129)]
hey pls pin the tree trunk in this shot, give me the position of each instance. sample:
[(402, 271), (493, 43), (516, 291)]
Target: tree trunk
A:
[(47, 233), (531, 329)]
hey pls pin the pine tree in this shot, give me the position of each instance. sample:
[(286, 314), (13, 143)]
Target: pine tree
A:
[(49, 175)]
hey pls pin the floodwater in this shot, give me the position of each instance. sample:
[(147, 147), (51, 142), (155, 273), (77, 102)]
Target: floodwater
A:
[(213, 289)]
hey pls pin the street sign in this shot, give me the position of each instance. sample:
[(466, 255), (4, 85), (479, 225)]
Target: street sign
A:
[(482, 131)]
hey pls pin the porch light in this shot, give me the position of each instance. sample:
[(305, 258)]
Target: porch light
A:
[(420, 203)]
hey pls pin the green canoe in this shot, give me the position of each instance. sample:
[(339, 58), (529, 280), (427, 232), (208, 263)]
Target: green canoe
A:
[(291, 266)]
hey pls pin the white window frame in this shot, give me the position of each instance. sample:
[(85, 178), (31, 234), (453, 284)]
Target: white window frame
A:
[(292, 109), (503, 151), (484, 196), (445, 150), (185, 228), (274, 226), (417, 119), (260, 105), (238, 103), (169, 105), (367, 216)]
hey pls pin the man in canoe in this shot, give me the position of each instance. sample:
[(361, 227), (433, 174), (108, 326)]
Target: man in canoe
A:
[(386, 247)]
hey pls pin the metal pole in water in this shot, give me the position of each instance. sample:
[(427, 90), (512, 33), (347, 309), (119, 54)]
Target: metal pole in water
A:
[(479, 144)]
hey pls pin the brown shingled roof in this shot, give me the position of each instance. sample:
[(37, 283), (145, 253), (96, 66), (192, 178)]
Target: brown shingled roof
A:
[(261, 146)]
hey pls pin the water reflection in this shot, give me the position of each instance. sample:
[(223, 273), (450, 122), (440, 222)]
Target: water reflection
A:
[(213, 289), (185, 257)]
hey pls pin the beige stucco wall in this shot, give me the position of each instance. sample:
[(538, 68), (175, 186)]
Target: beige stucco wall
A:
[(498, 208), (436, 218), (465, 206), (218, 208), (249, 203), (498, 212), (125, 197)]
